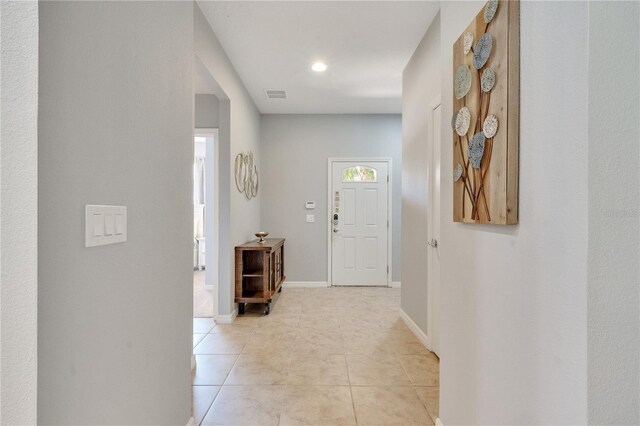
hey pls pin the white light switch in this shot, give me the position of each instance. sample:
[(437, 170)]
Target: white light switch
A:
[(109, 224), (120, 224), (311, 218), (98, 225), (105, 225)]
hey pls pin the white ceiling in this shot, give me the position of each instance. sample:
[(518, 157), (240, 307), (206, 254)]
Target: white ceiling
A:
[(366, 45)]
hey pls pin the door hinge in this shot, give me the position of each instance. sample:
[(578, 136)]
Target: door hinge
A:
[(387, 178), (387, 223), (387, 269)]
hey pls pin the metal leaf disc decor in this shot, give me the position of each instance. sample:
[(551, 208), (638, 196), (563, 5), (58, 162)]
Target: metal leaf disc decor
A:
[(476, 149), (483, 156), (482, 51), (490, 10), (462, 82), (487, 80), (457, 172), (468, 42), (490, 126), (462, 121)]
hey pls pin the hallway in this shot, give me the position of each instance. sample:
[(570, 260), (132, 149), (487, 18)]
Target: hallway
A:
[(323, 356)]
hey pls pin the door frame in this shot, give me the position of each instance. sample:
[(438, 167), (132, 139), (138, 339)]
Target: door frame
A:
[(212, 215), (330, 162), (433, 105)]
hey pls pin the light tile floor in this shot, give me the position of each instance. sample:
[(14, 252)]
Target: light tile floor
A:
[(333, 356), (202, 297)]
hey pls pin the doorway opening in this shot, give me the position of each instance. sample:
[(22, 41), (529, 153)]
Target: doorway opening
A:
[(359, 228), (205, 223), (433, 226)]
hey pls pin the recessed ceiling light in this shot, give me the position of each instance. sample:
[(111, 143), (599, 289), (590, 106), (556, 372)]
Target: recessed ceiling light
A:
[(319, 67)]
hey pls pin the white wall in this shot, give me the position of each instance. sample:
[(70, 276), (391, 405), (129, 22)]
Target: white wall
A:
[(207, 111), (613, 267), (514, 298), (18, 212), (243, 135), (115, 127), (420, 87), (295, 152)]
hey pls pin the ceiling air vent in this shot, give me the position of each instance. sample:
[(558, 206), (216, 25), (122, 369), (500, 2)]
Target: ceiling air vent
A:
[(275, 94)]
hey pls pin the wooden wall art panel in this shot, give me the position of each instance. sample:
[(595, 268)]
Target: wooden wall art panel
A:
[(486, 113)]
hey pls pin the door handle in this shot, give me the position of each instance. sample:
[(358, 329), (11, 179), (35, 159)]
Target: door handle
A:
[(433, 243), (335, 231)]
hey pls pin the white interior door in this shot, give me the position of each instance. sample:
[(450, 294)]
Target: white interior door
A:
[(433, 228), (359, 223)]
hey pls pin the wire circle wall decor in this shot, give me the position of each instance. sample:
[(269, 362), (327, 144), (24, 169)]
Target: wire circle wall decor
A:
[(246, 174)]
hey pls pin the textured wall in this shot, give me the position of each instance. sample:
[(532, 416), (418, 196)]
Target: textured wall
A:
[(514, 298), (420, 87), (613, 267), (18, 210), (115, 127)]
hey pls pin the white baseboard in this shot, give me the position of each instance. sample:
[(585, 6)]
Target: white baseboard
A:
[(193, 362), (396, 284), (227, 319), (439, 422), (191, 422), (305, 284), (415, 329)]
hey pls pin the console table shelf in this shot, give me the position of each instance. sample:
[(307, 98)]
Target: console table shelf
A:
[(259, 272)]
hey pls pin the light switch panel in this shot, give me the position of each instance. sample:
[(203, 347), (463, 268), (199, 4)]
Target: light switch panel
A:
[(105, 225), (311, 218)]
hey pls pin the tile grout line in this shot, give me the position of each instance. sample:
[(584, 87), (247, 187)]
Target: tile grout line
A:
[(404, 369), (210, 405), (413, 386), (353, 402), (227, 376)]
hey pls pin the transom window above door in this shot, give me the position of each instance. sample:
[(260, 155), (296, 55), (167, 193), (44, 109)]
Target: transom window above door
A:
[(359, 174)]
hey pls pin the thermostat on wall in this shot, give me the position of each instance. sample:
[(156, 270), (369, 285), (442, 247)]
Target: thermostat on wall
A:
[(310, 205)]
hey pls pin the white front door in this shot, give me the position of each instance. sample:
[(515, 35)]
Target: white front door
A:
[(433, 230), (359, 223)]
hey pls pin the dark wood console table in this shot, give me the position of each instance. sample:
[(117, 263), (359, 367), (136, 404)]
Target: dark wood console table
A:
[(259, 272)]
